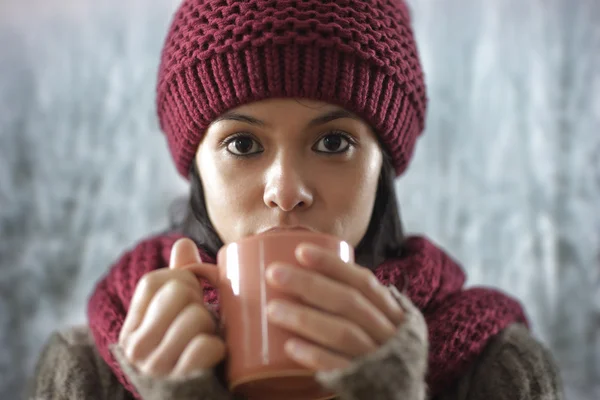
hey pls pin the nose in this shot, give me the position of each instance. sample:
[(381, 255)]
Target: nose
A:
[(286, 187)]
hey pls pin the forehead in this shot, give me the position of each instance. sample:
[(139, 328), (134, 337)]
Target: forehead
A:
[(270, 112)]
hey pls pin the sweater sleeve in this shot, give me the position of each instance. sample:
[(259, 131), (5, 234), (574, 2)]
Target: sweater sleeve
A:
[(396, 371), (70, 368), (513, 366), (200, 385)]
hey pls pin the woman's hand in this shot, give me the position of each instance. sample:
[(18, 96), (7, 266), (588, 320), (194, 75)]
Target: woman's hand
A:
[(168, 331), (345, 312)]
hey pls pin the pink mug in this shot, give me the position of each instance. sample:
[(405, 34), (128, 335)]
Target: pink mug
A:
[(257, 366)]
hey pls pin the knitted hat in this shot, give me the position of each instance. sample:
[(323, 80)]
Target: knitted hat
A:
[(358, 54)]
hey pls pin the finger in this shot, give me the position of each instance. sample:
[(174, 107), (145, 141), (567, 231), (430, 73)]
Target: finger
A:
[(169, 301), (183, 253), (360, 278), (332, 296), (313, 357), (335, 333), (145, 291), (193, 320), (202, 352)]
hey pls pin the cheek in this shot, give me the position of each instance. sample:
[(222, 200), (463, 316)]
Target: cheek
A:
[(363, 208), (356, 201), (227, 194), (217, 195)]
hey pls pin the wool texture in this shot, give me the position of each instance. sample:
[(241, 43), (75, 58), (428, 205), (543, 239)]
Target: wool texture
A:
[(460, 322), (360, 55)]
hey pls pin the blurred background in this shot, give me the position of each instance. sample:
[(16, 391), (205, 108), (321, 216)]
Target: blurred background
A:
[(506, 177)]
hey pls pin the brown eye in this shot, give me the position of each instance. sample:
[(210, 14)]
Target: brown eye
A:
[(333, 143), (243, 146)]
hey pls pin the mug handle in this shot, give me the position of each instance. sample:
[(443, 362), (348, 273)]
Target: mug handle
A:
[(210, 272)]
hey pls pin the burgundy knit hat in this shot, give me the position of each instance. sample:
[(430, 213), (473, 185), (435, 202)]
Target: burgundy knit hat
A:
[(358, 54)]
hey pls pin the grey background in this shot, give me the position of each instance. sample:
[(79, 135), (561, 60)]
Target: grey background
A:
[(506, 177)]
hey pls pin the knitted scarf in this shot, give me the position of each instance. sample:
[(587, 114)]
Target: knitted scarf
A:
[(460, 321)]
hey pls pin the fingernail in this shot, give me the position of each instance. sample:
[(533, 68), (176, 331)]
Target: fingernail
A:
[(277, 311), (396, 308), (296, 349), (389, 297), (183, 252), (307, 252), (374, 282), (278, 274)]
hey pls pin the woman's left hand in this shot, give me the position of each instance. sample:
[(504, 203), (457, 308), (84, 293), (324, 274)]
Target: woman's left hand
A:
[(344, 311)]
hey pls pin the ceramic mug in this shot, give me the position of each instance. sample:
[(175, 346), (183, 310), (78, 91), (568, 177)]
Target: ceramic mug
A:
[(257, 365)]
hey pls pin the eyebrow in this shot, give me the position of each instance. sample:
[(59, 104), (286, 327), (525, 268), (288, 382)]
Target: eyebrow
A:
[(320, 120)]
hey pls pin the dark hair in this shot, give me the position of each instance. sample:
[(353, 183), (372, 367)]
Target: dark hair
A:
[(383, 238)]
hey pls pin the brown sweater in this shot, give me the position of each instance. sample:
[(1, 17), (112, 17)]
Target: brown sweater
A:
[(513, 366)]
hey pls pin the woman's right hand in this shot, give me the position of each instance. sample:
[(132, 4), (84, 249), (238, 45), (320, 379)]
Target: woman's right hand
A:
[(168, 332)]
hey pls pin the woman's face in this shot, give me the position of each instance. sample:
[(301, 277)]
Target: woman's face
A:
[(289, 163)]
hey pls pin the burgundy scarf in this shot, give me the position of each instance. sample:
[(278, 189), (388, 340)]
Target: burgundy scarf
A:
[(460, 321)]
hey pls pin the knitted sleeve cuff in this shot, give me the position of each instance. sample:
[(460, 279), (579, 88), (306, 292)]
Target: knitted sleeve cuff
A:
[(395, 371), (200, 385), (513, 366)]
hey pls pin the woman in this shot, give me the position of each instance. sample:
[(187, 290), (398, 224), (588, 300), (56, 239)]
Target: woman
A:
[(288, 115)]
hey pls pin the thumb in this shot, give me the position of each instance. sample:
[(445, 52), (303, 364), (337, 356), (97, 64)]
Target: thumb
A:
[(183, 253)]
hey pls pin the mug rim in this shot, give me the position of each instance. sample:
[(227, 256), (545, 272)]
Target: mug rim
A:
[(279, 234)]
